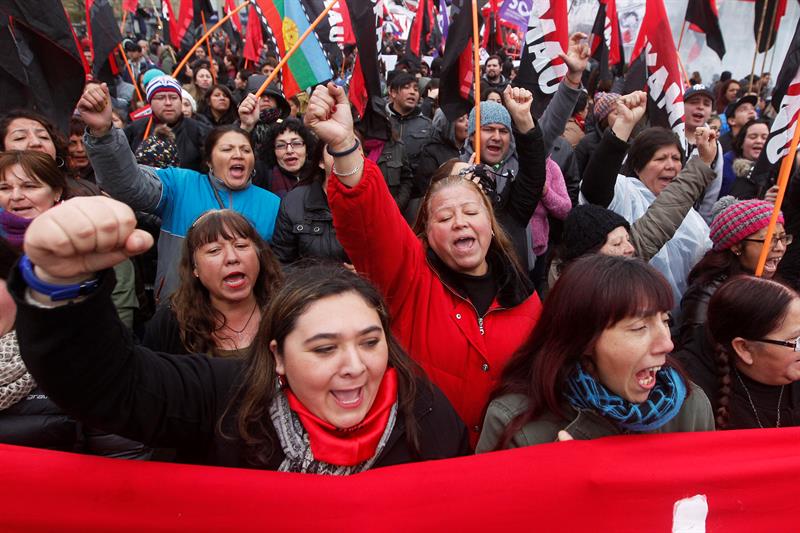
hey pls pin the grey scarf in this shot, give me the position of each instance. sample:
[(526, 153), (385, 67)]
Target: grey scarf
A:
[(297, 449), (15, 381)]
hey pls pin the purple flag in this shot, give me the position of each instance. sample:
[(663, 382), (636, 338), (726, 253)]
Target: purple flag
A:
[(516, 12)]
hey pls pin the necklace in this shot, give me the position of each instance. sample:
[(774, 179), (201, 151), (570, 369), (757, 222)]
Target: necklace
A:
[(240, 331), (752, 405)]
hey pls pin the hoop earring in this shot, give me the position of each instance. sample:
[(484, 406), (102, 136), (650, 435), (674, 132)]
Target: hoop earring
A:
[(60, 163)]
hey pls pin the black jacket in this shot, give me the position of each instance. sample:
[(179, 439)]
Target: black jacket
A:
[(414, 130), (190, 135), (586, 147), (304, 227), (37, 422), (85, 357)]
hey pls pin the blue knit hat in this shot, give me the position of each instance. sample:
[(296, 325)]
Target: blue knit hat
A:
[(150, 75), (491, 113)]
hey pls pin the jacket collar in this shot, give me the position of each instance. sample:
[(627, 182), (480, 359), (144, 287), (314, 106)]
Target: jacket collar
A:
[(512, 289), (316, 199)]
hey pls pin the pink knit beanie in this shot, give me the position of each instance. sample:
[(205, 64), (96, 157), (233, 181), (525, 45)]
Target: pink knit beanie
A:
[(737, 220)]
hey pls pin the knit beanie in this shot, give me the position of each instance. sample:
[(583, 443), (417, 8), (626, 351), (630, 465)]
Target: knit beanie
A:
[(491, 113), (603, 104), (159, 150), (735, 220), (150, 75), (587, 227), (186, 95), (162, 84)]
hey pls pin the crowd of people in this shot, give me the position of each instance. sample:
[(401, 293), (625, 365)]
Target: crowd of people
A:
[(266, 282)]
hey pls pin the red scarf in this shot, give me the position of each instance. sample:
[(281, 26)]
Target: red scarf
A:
[(351, 446)]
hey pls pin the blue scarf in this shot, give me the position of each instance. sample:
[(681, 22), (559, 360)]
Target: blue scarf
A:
[(661, 406)]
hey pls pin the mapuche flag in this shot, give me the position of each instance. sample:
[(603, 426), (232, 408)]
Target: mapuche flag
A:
[(703, 17), (286, 20), (606, 39), (40, 64), (655, 68), (541, 68), (786, 101), (457, 75)]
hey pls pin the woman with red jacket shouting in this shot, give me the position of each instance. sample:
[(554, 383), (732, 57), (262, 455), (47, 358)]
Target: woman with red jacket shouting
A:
[(461, 304)]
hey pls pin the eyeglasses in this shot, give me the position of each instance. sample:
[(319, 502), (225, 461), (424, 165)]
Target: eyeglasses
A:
[(795, 344), (786, 240), (296, 145)]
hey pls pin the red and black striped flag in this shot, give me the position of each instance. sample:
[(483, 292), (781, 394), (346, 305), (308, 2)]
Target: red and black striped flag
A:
[(606, 40), (655, 68), (541, 68), (365, 84), (704, 18), (169, 27), (456, 95), (41, 67), (420, 34)]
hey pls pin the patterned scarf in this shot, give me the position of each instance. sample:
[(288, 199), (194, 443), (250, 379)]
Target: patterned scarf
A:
[(15, 381), (661, 406), (14, 228), (297, 443)]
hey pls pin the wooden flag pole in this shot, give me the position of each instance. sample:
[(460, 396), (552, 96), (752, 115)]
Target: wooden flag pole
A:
[(130, 72), (771, 37), (293, 49), (783, 180), (680, 39), (208, 47), (202, 39), (124, 18), (476, 67), (758, 41)]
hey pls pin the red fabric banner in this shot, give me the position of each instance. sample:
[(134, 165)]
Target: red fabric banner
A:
[(748, 479)]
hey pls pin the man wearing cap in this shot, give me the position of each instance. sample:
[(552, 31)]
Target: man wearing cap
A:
[(164, 97), (738, 113), (698, 104), (516, 172)]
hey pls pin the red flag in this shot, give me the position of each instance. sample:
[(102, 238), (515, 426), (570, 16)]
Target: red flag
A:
[(254, 38), (457, 75), (348, 36), (541, 69), (230, 5), (606, 39), (704, 18), (130, 5), (170, 27), (184, 21), (655, 67)]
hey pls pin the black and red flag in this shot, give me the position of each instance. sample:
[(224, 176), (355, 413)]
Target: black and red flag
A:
[(233, 26), (786, 101), (704, 18), (190, 21), (655, 69), (492, 34), (541, 68), (420, 34), (365, 84), (457, 78), (105, 37), (773, 11), (253, 36), (169, 25), (41, 67), (606, 40)]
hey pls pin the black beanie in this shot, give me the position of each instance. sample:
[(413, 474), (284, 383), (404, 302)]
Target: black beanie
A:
[(587, 227)]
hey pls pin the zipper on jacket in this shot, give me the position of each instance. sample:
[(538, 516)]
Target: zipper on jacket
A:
[(455, 293)]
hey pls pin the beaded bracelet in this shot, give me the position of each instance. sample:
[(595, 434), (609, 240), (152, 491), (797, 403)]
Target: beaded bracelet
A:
[(359, 166)]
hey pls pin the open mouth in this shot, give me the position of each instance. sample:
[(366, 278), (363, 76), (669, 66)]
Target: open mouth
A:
[(647, 378), (290, 161), (349, 398), (23, 212), (464, 244), (235, 280), (236, 171), (772, 263)]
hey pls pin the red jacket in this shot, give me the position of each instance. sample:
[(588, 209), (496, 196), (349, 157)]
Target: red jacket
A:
[(462, 354)]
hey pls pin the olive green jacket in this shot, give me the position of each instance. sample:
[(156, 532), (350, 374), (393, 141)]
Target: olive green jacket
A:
[(581, 424)]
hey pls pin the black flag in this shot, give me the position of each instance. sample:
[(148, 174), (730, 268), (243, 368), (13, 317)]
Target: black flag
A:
[(703, 15), (457, 78), (365, 83), (772, 11), (40, 64), (105, 37)]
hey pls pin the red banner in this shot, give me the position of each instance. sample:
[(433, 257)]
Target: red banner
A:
[(747, 478)]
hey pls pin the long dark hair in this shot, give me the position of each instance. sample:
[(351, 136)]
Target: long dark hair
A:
[(594, 293), (746, 307), (197, 317), (715, 265), (308, 284), (229, 116), (738, 141), (38, 166), (59, 141), (290, 124), (215, 134)]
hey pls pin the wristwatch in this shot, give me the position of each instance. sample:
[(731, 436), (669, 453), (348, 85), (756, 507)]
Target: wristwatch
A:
[(56, 293)]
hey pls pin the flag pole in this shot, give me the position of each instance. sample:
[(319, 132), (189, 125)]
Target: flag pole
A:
[(683, 69), (758, 43), (130, 72), (208, 47), (783, 180), (202, 39), (770, 37), (476, 67), (293, 49), (680, 39), (124, 18)]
